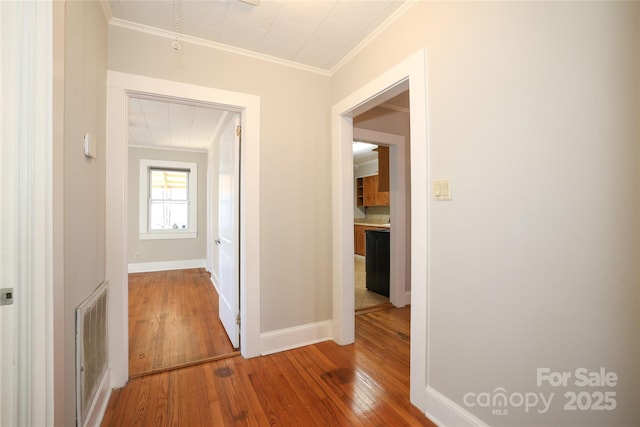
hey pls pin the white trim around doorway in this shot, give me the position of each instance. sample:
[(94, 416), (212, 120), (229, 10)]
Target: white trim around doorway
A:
[(119, 86), (409, 74)]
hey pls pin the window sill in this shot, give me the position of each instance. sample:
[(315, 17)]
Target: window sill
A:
[(169, 235)]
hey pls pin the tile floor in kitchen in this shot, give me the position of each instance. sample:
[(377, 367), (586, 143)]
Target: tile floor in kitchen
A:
[(363, 297)]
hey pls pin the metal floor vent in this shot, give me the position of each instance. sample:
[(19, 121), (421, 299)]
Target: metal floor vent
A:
[(91, 350)]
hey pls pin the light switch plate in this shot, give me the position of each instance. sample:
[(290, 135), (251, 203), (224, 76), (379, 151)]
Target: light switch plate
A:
[(442, 189)]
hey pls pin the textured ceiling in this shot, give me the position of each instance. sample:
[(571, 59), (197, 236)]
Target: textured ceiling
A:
[(313, 33), (163, 124)]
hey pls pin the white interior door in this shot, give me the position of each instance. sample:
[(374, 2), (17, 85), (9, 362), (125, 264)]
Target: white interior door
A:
[(228, 229)]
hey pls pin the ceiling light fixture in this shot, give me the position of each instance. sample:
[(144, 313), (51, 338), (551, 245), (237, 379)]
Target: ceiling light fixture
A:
[(176, 21)]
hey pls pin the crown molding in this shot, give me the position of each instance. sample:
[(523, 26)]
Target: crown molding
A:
[(117, 22), (373, 35), (183, 38), (106, 10)]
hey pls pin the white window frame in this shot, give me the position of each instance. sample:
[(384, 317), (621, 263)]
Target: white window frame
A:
[(189, 233)]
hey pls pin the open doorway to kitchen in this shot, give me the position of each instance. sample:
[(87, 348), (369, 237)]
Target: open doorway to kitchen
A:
[(409, 74), (381, 175)]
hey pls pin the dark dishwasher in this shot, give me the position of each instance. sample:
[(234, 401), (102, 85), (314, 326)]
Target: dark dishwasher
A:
[(377, 261)]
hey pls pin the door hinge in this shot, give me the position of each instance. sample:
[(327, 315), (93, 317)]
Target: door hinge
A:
[(238, 130), (238, 319)]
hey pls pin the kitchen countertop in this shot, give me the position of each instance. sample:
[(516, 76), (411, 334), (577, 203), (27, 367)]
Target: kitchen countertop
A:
[(369, 223)]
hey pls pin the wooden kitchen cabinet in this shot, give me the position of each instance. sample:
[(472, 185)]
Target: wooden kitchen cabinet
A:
[(359, 191), (358, 239), (383, 169), (374, 190), (371, 196), (359, 233), (382, 198), (370, 184)]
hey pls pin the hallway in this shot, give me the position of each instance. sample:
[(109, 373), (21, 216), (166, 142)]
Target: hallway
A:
[(366, 383)]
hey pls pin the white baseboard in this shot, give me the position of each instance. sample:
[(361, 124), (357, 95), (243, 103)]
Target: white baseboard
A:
[(215, 280), (445, 412), (145, 267), (298, 336), (99, 406)]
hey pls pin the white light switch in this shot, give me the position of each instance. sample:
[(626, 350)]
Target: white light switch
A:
[(442, 189)]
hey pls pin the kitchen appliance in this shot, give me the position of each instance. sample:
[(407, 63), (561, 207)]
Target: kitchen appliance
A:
[(377, 261)]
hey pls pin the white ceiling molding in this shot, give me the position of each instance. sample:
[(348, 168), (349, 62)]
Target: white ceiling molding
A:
[(375, 33), (316, 36), (214, 45), (106, 10)]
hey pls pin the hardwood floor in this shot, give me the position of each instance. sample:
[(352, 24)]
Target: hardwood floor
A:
[(364, 384), (173, 321)]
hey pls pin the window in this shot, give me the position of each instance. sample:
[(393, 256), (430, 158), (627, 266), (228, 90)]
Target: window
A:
[(168, 199)]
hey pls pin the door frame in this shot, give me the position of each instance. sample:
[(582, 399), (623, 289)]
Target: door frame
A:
[(411, 74), (397, 272), (119, 86), (29, 175)]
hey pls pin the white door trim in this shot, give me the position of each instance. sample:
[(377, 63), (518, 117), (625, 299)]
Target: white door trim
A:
[(411, 71), (397, 210), (119, 85), (26, 158)]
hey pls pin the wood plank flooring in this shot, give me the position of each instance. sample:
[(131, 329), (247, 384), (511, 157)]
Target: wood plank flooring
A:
[(173, 321), (364, 384)]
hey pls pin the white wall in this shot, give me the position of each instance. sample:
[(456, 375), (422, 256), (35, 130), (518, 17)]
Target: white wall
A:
[(533, 114), (85, 64), (295, 175), (168, 249)]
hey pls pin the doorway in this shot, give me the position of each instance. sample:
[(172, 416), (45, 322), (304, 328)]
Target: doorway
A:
[(399, 201), (174, 155), (408, 74), (119, 87)]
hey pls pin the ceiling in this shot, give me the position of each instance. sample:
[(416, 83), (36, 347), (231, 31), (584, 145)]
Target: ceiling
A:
[(312, 33), (167, 124)]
